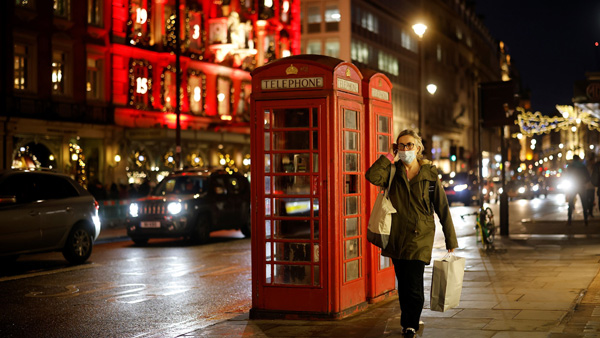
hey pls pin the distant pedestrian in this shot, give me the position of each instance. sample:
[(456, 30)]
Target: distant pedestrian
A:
[(579, 176)]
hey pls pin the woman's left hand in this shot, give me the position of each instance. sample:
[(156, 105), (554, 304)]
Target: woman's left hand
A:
[(450, 250)]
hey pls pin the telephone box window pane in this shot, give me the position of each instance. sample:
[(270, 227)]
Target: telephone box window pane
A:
[(351, 205), (382, 143), (268, 274), (351, 184), (267, 207), (291, 163), (384, 262), (315, 163), (350, 140), (383, 124), (316, 207), (267, 119), (315, 143), (292, 252), (267, 142), (352, 248), (316, 230), (296, 207), (316, 253), (267, 163), (267, 185), (291, 185), (291, 140), (351, 162), (315, 122), (292, 274), (352, 270), (317, 281), (267, 229), (351, 227), (350, 119), (292, 229), (291, 118), (268, 254)]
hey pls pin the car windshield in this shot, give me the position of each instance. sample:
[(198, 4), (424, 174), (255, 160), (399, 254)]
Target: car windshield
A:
[(181, 185)]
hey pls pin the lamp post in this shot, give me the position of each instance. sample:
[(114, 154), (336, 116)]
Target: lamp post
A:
[(420, 29)]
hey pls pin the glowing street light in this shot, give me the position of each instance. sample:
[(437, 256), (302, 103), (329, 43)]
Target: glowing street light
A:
[(431, 88), (419, 29)]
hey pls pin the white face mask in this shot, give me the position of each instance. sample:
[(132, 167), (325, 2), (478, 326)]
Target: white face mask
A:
[(406, 156)]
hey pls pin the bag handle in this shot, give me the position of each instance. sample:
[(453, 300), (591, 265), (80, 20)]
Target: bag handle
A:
[(392, 173)]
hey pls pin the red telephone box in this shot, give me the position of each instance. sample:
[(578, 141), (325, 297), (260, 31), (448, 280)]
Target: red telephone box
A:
[(309, 247), (377, 94)]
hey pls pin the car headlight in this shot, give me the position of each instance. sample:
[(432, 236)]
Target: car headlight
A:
[(500, 191), (565, 185), (174, 208), (460, 187), (134, 210), (521, 190), (484, 191), (535, 187)]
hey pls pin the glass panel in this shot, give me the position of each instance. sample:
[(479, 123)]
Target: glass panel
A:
[(268, 254), (315, 141), (384, 262), (383, 125), (292, 229), (350, 119), (267, 207), (267, 185), (292, 252), (268, 274), (315, 163), (267, 163), (315, 121), (291, 140), (352, 184), (316, 207), (351, 162), (297, 207), (267, 229), (291, 163), (352, 248), (292, 274), (351, 205), (316, 253), (316, 229), (267, 119), (350, 140), (383, 142), (352, 270), (351, 227), (317, 276), (291, 185), (291, 118), (267, 142)]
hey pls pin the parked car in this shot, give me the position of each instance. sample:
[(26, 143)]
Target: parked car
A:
[(44, 211), (522, 188), (191, 204), (461, 187)]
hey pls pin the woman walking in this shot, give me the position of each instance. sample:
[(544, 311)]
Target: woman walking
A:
[(413, 228)]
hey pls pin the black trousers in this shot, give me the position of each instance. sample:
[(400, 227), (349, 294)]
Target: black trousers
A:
[(410, 290)]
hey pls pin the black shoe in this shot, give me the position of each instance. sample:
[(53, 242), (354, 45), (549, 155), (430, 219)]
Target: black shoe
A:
[(410, 332)]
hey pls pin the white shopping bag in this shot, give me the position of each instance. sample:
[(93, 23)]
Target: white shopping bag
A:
[(446, 283)]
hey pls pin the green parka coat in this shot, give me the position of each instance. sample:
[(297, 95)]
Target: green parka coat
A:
[(413, 225)]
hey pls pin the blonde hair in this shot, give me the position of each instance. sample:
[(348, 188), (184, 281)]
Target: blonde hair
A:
[(418, 141)]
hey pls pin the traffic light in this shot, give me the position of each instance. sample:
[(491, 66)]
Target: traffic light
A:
[(453, 153)]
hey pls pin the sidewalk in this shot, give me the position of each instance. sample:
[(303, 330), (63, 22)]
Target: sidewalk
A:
[(539, 282)]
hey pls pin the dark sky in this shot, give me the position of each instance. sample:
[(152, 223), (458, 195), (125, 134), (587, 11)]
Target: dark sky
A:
[(551, 42)]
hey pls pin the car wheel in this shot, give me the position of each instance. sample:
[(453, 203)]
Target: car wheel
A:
[(201, 232), (246, 229), (140, 240), (78, 247)]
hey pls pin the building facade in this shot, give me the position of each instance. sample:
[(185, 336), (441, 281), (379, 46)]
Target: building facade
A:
[(456, 54), (90, 86)]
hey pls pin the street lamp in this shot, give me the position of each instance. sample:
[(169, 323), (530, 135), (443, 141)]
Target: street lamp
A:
[(431, 88), (420, 29)]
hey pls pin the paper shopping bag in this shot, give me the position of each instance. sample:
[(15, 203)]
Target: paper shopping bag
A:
[(446, 283), (380, 221)]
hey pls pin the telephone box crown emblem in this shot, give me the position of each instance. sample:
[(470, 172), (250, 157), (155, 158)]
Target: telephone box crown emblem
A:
[(291, 70), (348, 72)]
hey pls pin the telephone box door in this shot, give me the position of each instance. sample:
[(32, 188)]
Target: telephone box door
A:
[(293, 229)]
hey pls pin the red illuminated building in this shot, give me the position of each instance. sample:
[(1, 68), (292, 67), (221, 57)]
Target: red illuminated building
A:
[(90, 86)]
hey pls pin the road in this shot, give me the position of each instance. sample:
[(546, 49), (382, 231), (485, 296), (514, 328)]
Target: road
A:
[(165, 289)]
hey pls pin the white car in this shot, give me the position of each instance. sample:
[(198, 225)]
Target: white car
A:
[(44, 211)]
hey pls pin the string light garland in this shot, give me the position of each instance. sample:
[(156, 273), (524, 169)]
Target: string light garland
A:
[(536, 124)]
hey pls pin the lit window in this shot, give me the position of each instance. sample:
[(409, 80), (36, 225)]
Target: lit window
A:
[(94, 79), (332, 48), (25, 3), (58, 72), (21, 67), (61, 8), (169, 89), (140, 84), (387, 63), (94, 15), (313, 47), (139, 22), (332, 18), (223, 95), (314, 19), (196, 91)]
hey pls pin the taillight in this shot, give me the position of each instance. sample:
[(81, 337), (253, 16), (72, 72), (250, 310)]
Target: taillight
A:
[(96, 205)]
